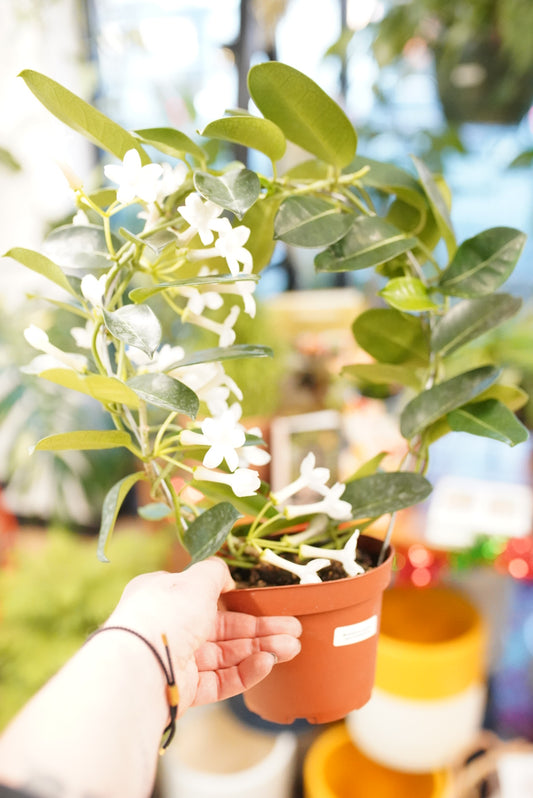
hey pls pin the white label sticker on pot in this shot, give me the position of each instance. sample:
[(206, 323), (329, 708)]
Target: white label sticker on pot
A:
[(355, 632)]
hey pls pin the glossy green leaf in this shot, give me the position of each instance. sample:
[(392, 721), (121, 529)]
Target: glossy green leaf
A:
[(438, 204), (441, 399), (42, 265), (172, 142), (138, 295), (108, 390), (82, 117), (249, 131), (155, 511), (236, 190), (390, 179), (225, 353), (408, 294), (470, 318), (112, 503), (391, 336), (304, 112), (166, 392), (85, 439), (378, 494), (249, 506), (369, 242), (135, 325), (482, 263), (207, 533), (383, 374), (489, 419), (79, 249), (310, 222)]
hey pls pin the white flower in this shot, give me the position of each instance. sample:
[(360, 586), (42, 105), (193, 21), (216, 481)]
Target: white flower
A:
[(171, 179), (39, 340), (243, 481), (310, 477), (331, 505), (201, 216), (80, 218), (346, 555), (210, 383), (133, 179), (83, 335), (223, 436), (253, 455), (245, 289), (230, 245), (93, 289), (199, 301), (163, 359), (307, 574), (224, 330)]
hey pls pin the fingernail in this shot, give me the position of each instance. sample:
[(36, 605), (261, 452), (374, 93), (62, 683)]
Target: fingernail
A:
[(274, 657)]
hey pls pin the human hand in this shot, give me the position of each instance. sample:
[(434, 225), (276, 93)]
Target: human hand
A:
[(215, 653)]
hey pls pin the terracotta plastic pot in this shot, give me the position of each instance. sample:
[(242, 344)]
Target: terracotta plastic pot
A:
[(429, 697), (334, 672), (335, 768)]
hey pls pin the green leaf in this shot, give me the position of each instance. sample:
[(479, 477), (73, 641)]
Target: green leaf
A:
[(368, 468), (136, 325), (42, 265), (437, 204), (79, 249), (236, 190), (390, 179), (310, 222), (166, 392), (155, 511), (225, 353), (85, 439), (482, 263), (170, 141), (249, 131), (470, 318), (260, 220), (138, 295), (303, 111), (81, 116), (489, 419), (110, 510), (249, 506), (441, 399), (208, 532), (379, 494), (384, 374), (511, 396), (391, 336), (369, 242), (105, 389), (407, 293)]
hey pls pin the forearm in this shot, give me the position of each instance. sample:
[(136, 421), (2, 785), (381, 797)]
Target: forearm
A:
[(93, 731)]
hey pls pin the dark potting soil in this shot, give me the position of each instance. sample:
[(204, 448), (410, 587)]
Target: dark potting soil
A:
[(266, 575)]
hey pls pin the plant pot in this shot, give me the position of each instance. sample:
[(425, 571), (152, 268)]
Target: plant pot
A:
[(214, 754), (429, 698), (334, 672), (335, 768)]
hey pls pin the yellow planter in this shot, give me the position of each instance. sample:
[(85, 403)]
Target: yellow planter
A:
[(335, 768), (429, 696)]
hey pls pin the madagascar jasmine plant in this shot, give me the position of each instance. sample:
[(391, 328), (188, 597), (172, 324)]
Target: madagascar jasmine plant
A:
[(166, 255)]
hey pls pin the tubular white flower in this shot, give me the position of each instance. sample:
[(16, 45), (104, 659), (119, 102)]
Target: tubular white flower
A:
[(310, 477), (133, 179), (331, 505), (230, 245), (200, 300), (224, 330), (163, 359), (253, 455), (245, 289), (224, 436), (93, 289), (171, 179), (243, 481), (210, 383), (307, 574), (39, 340), (346, 556), (201, 216)]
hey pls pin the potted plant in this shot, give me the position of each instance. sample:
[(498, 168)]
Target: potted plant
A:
[(483, 62), (189, 266)]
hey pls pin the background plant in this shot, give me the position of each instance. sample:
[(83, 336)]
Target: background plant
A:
[(207, 230)]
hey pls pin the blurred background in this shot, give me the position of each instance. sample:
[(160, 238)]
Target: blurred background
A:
[(450, 82)]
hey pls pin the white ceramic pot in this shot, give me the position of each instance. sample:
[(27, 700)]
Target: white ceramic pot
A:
[(215, 755)]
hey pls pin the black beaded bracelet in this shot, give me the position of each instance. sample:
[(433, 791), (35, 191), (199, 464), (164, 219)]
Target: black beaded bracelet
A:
[(172, 688)]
